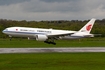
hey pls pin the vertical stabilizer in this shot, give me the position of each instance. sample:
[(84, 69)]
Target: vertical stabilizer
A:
[(88, 27)]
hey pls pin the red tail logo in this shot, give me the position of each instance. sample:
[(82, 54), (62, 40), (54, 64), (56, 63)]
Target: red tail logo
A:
[(89, 27)]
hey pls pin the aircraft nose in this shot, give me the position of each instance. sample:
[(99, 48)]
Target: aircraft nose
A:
[(4, 31)]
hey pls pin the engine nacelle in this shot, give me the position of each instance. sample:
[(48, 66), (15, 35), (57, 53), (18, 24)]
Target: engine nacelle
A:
[(41, 37)]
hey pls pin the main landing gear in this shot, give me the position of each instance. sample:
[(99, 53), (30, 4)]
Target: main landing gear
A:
[(51, 41)]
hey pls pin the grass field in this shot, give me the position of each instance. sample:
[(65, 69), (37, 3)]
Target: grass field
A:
[(53, 61), (87, 42)]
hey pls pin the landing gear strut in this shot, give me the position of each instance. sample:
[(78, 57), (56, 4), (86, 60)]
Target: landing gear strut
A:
[(10, 37)]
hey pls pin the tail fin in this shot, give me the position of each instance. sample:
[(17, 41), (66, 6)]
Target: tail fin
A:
[(88, 27)]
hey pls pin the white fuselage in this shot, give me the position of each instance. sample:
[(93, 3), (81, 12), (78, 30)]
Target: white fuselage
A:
[(32, 32)]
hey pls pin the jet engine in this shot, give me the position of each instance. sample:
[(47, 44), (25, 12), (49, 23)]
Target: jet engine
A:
[(41, 37)]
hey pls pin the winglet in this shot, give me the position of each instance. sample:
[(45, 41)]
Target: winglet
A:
[(88, 27)]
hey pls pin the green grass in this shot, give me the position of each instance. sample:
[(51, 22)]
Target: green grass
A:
[(17, 43), (53, 61)]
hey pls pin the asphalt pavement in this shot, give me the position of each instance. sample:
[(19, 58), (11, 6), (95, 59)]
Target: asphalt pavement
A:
[(48, 50)]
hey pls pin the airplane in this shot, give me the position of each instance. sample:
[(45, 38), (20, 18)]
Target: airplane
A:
[(49, 35)]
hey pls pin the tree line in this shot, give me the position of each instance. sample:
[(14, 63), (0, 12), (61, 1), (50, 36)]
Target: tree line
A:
[(98, 28)]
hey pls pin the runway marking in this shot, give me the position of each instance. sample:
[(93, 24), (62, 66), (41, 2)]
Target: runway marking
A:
[(47, 50)]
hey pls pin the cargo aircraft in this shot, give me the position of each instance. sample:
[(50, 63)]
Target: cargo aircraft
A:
[(49, 35)]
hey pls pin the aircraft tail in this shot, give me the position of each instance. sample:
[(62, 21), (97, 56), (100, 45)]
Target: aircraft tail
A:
[(88, 27)]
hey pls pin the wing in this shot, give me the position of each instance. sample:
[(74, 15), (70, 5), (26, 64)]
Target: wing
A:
[(56, 36)]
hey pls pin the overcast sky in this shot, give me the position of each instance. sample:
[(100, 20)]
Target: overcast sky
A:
[(52, 9)]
